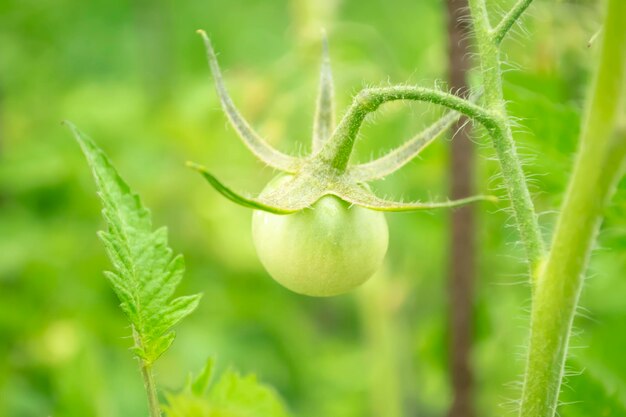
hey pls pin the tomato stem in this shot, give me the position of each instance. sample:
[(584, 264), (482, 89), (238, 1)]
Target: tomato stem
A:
[(502, 138), (336, 152), (148, 381), (558, 280), (598, 166), (507, 22)]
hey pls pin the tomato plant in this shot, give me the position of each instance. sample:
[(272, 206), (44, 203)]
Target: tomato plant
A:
[(320, 231)]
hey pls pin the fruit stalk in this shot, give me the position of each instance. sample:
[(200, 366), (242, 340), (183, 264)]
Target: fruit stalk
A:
[(336, 152)]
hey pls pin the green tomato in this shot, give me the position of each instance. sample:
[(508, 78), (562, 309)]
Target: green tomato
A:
[(321, 251)]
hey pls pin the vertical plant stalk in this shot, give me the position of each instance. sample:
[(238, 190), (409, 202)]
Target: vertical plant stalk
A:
[(598, 166), (148, 381), (487, 44), (462, 246)]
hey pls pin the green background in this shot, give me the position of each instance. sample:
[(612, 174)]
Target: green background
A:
[(133, 76)]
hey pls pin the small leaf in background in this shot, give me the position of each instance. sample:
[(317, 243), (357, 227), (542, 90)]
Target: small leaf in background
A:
[(202, 382), (591, 394), (232, 395), (598, 387), (146, 270)]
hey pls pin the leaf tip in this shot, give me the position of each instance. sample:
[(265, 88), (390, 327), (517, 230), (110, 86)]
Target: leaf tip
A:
[(200, 384), (207, 42), (324, 35), (71, 126), (195, 166), (325, 48)]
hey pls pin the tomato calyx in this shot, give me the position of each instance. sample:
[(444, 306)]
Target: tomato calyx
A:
[(327, 171)]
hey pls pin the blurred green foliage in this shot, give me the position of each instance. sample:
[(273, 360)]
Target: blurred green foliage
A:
[(133, 75), (232, 395)]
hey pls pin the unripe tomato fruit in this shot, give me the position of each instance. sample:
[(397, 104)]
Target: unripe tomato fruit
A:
[(321, 251)]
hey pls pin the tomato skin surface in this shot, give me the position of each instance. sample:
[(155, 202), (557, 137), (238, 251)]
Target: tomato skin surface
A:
[(321, 251)]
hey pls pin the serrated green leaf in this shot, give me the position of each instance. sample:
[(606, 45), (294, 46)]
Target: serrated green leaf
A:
[(127, 303), (178, 309), (146, 272), (232, 395), (159, 345), (239, 395)]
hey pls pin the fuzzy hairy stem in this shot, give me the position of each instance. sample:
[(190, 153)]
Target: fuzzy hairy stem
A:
[(519, 196), (598, 166), (507, 22), (338, 149), (514, 178)]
